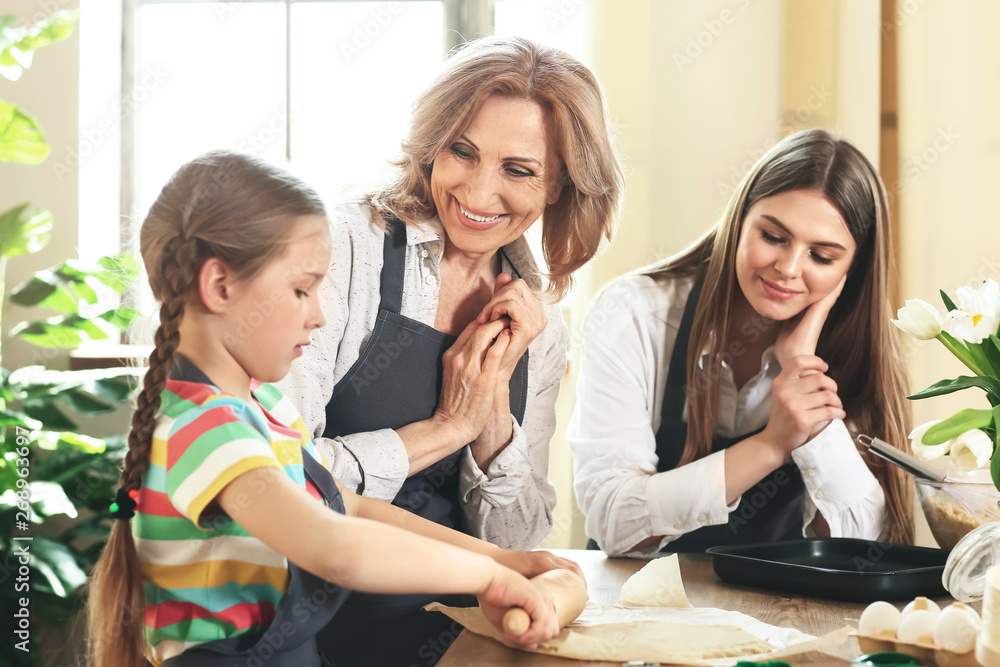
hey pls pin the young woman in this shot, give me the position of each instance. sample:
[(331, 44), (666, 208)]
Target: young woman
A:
[(242, 546), (719, 390)]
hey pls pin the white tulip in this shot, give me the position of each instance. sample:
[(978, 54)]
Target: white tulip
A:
[(919, 319), (927, 452), (972, 450), (978, 313)]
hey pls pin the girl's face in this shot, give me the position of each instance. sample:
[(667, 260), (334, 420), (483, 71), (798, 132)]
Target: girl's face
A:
[(794, 249), (494, 181), (275, 311)]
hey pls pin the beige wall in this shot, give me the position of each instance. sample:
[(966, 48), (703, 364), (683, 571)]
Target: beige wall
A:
[(949, 63), (49, 91)]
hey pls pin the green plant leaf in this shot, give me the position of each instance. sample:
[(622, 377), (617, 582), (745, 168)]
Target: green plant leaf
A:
[(108, 384), (115, 271), (17, 44), (995, 459), (49, 414), (24, 231), (948, 303), (992, 354), (49, 499), (48, 290), (66, 331), (989, 384), (957, 424), (120, 271), (21, 137), (84, 443), (959, 349), (979, 355), (84, 403), (121, 317), (11, 418), (61, 574)]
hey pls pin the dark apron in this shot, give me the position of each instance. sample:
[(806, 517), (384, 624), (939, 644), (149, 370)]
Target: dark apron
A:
[(397, 381), (769, 511), (307, 606)]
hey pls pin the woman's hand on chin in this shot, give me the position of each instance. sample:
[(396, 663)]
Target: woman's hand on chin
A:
[(513, 299), (800, 334)]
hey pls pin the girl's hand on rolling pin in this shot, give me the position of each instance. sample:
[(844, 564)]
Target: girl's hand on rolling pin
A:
[(800, 334), (509, 589), (803, 402)]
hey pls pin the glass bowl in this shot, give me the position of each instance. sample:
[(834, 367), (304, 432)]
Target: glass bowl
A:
[(954, 508)]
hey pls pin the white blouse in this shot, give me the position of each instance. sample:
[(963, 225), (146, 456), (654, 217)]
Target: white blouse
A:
[(628, 339), (510, 503)]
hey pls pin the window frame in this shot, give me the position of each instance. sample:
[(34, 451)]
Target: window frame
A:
[(463, 19)]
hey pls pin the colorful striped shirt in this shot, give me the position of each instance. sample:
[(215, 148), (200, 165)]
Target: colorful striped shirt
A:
[(205, 577)]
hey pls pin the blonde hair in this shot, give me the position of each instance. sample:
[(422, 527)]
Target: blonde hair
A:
[(571, 96), (226, 205), (858, 342)]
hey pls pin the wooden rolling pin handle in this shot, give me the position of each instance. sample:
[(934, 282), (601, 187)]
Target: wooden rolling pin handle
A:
[(569, 593), (516, 621)]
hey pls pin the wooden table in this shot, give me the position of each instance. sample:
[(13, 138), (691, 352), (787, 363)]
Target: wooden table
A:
[(605, 577)]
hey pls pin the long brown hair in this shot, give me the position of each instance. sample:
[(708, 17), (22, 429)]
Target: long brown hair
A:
[(569, 93), (222, 204), (861, 348)]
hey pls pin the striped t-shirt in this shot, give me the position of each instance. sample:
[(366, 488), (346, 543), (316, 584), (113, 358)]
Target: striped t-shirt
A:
[(205, 577)]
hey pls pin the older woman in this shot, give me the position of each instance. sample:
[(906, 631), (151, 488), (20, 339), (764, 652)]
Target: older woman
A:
[(434, 383)]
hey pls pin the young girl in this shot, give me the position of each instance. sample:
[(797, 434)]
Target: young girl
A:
[(719, 391), (242, 545)]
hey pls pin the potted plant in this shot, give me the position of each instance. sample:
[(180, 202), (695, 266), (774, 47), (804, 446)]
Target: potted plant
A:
[(47, 468)]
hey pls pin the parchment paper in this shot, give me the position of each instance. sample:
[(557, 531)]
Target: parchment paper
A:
[(674, 633)]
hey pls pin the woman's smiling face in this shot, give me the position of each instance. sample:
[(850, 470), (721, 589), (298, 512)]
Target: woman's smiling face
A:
[(493, 181), (794, 249)]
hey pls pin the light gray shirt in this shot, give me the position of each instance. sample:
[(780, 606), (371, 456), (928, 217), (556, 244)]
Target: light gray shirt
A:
[(510, 503)]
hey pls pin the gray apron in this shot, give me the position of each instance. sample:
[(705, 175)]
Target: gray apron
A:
[(306, 607), (397, 381)]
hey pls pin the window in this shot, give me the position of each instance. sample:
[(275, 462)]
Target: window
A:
[(325, 84)]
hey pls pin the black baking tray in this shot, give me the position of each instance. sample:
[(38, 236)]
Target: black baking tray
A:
[(840, 568)]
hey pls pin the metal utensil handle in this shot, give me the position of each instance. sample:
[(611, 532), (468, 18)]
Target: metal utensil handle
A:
[(908, 463)]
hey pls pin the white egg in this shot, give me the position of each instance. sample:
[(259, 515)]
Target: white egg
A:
[(916, 626), (967, 609), (879, 617), (922, 603), (956, 630)]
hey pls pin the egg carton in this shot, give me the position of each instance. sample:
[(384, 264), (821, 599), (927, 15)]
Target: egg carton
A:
[(924, 651), (944, 638)]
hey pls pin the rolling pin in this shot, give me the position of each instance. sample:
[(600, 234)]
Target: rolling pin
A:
[(569, 592)]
